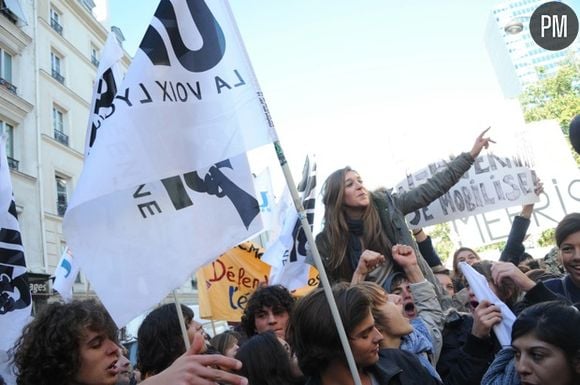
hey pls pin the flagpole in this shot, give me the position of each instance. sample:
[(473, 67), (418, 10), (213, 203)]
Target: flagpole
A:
[(318, 262), (181, 321), (303, 219)]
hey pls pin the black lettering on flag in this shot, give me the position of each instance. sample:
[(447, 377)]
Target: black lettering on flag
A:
[(14, 290), (214, 183), (103, 100), (306, 186), (205, 58)]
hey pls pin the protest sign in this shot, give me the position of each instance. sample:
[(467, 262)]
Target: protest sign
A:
[(493, 182), (226, 284)]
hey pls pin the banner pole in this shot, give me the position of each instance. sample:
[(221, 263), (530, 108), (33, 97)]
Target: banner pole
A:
[(181, 320), (318, 261)]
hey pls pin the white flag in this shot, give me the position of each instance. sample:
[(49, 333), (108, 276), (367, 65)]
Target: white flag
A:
[(287, 255), (105, 88), (165, 189), (65, 275), (482, 291), (15, 298), (265, 193)]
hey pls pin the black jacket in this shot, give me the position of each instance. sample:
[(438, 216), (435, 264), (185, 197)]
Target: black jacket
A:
[(464, 357), (395, 367)]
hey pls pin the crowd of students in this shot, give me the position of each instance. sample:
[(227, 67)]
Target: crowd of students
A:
[(408, 320)]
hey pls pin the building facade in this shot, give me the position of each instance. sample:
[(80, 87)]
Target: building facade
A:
[(518, 61), (49, 54)]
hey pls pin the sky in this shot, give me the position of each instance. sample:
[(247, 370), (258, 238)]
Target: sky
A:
[(382, 86)]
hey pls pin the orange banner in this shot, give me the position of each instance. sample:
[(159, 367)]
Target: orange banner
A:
[(225, 285)]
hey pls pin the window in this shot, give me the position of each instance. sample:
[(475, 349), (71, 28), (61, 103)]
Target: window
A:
[(58, 127), (95, 55), (56, 66), (88, 4), (5, 65), (55, 21), (61, 194), (8, 130)]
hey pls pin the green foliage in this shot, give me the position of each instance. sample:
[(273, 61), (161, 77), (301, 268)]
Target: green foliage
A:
[(556, 97), (499, 246), (547, 238), (442, 240)]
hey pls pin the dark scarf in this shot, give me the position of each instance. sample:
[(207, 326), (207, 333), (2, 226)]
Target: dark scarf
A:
[(354, 247)]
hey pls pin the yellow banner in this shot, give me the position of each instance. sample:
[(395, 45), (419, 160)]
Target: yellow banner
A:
[(313, 282), (225, 285)]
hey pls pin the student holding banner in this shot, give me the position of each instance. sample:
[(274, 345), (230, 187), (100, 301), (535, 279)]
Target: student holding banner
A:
[(360, 228)]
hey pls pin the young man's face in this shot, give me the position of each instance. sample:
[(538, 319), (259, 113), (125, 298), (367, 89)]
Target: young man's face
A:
[(364, 342), (403, 289), (271, 319), (99, 355)]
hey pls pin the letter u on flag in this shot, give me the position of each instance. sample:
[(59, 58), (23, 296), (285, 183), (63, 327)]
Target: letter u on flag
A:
[(15, 299), (167, 185)]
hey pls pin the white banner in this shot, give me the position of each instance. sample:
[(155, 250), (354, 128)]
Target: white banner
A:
[(15, 298), (287, 254), (164, 191), (492, 183), (178, 109), (543, 145)]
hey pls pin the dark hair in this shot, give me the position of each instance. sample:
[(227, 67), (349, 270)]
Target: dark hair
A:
[(570, 224), (507, 290), (312, 332), (48, 352), (554, 322), (159, 339), (265, 361), (335, 235), (276, 296), (225, 341), (541, 275)]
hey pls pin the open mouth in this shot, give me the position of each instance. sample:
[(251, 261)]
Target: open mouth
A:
[(473, 304), (113, 369), (409, 309)]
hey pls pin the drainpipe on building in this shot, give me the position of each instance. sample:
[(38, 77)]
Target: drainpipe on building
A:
[(39, 136)]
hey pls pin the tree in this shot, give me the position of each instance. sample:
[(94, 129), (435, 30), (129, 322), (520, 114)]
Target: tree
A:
[(555, 97), (547, 238), (440, 234)]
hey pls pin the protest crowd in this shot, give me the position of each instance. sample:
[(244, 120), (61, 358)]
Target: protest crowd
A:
[(404, 317), (408, 319)]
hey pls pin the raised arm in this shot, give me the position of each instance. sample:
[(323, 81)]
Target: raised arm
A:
[(514, 248), (442, 181)]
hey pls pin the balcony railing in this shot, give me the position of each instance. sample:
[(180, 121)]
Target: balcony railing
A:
[(61, 137), (58, 76), (13, 163), (95, 61), (56, 26), (9, 86)]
